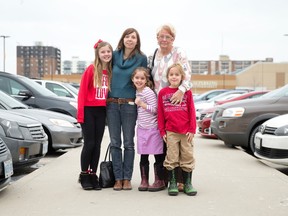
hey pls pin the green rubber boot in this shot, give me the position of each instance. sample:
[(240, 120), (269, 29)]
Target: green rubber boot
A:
[(188, 188), (173, 188)]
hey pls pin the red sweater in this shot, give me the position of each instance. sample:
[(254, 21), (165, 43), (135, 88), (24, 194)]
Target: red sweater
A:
[(89, 95), (179, 118)]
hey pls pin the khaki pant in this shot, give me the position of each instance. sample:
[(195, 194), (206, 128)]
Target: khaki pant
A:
[(180, 153)]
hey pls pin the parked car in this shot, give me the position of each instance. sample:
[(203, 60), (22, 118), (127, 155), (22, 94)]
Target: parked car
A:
[(34, 95), (208, 95), (204, 122), (24, 137), (248, 95), (59, 88), (271, 141), (236, 123), (205, 115), (201, 105), (63, 130), (6, 165)]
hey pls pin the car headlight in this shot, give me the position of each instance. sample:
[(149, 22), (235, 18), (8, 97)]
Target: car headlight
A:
[(233, 112), (282, 131), (62, 123), (11, 129)]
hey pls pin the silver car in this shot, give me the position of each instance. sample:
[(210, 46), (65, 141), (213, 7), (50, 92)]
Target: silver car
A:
[(63, 130), (6, 165), (24, 137)]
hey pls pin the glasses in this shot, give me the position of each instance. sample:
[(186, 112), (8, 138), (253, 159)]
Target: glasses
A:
[(166, 37)]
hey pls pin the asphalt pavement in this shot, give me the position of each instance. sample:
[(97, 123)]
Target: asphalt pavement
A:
[(229, 183)]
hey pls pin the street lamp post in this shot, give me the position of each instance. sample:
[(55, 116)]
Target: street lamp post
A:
[(4, 37)]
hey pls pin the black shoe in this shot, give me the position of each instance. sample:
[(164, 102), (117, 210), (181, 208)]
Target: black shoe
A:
[(85, 181), (95, 182)]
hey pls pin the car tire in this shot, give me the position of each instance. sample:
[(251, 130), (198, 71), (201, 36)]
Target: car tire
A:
[(251, 139)]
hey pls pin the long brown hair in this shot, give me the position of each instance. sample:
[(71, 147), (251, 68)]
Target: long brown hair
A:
[(98, 65), (137, 48)]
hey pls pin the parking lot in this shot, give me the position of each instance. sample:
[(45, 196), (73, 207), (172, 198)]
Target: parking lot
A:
[(229, 182)]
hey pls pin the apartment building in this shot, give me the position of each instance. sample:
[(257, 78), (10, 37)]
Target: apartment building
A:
[(222, 66), (38, 61)]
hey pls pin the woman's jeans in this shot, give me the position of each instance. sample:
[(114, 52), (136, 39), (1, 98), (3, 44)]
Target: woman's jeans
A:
[(122, 117)]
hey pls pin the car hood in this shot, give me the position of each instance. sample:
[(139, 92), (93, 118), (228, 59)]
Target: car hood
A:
[(278, 121), (21, 120), (250, 102), (42, 115)]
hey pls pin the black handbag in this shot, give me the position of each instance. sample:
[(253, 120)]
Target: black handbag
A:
[(106, 177)]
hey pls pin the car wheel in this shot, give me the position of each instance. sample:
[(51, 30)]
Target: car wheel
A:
[(251, 139), (50, 145)]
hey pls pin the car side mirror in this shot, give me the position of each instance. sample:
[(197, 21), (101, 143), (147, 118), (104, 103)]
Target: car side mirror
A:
[(25, 93)]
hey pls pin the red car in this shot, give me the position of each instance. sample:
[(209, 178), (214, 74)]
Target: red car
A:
[(205, 118), (249, 95)]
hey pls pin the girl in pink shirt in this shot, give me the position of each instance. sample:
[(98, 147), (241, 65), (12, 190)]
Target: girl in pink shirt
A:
[(149, 140)]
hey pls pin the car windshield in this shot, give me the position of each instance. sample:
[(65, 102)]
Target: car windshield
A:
[(10, 103), (277, 93)]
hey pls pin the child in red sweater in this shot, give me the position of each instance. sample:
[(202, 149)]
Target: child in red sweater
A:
[(93, 92), (177, 125)]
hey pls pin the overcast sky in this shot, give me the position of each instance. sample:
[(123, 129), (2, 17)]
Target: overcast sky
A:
[(241, 29)]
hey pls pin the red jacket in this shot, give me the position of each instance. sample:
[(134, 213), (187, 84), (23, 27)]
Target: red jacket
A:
[(88, 95), (179, 118)]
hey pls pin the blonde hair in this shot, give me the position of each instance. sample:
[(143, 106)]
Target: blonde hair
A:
[(167, 27), (146, 74), (179, 68), (98, 65)]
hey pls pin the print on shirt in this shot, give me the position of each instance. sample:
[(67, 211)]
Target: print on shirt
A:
[(101, 93), (169, 107)]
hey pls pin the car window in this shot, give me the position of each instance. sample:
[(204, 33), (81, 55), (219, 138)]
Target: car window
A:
[(58, 89), (11, 87)]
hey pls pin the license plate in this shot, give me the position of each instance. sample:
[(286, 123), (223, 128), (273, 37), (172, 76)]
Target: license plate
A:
[(258, 142), (8, 168), (45, 148)]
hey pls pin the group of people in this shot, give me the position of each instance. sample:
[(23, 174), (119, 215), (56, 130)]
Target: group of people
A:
[(150, 94)]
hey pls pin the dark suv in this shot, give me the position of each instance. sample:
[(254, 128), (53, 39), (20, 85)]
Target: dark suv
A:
[(236, 123), (34, 95)]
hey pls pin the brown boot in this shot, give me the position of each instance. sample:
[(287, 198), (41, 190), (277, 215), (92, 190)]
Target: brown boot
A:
[(118, 185), (127, 184), (159, 183), (144, 170)]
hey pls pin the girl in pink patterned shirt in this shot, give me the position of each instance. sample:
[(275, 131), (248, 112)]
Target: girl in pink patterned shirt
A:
[(149, 140)]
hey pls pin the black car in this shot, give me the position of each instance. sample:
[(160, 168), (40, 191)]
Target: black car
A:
[(34, 95)]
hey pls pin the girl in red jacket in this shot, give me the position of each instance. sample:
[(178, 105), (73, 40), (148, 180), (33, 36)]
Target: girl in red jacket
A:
[(93, 92), (177, 125)]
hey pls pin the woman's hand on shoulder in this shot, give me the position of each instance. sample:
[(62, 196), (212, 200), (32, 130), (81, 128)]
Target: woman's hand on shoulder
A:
[(177, 97)]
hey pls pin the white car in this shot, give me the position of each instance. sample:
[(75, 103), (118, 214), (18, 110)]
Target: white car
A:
[(271, 142), (59, 88)]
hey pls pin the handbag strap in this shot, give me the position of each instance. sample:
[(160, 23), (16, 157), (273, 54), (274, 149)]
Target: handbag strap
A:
[(107, 152)]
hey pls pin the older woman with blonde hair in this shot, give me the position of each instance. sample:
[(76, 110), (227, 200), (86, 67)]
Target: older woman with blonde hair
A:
[(164, 56)]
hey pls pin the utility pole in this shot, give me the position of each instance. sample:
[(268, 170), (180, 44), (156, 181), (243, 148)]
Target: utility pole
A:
[(4, 37)]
